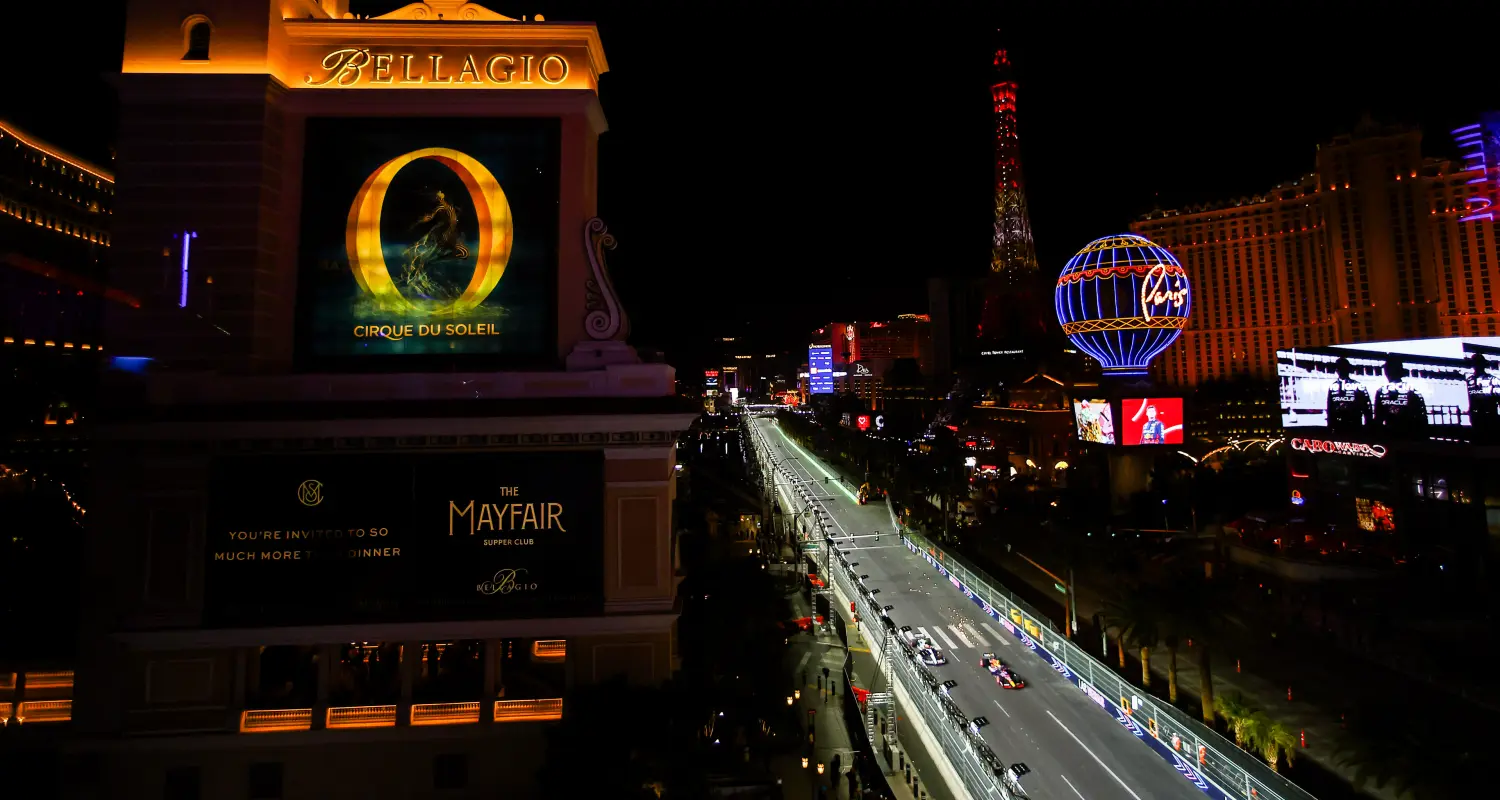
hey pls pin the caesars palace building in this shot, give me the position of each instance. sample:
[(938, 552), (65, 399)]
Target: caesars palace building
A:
[(379, 479)]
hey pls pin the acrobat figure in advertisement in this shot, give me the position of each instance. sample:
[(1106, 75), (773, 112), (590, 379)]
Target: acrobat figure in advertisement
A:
[(1152, 430), (1399, 405), (1484, 396), (1348, 402), (440, 240)]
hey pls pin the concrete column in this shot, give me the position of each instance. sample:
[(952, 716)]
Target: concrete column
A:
[(326, 655), (240, 677), (491, 667), (411, 655)]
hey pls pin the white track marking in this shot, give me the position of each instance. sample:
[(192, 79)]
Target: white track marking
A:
[(997, 635), (1071, 786), (978, 638), (1002, 708), (959, 632), (938, 629), (1099, 761)]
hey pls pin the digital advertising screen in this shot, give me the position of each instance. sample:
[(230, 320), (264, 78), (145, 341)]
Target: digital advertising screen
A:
[(1393, 389), (1096, 421), (820, 369), (324, 539), (428, 243), (1152, 420)]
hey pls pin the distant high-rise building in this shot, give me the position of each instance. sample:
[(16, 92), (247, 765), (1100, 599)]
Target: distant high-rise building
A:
[(1371, 246), (1012, 318), (863, 352)]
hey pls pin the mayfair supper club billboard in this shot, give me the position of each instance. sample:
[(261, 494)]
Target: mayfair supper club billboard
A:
[(299, 540), (428, 243)]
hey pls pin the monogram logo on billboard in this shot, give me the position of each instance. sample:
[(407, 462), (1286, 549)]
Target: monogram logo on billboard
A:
[(507, 581), (310, 493), (367, 254)]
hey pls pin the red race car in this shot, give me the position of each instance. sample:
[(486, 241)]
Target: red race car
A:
[(1005, 677)]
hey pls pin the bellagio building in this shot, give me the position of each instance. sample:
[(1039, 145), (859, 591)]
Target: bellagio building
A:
[(362, 534), (1367, 247)]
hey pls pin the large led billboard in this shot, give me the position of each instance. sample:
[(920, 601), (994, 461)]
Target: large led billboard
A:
[(1393, 389), (820, 369), (428, 243), (323, 539), (1151, 420), (1096, 421)]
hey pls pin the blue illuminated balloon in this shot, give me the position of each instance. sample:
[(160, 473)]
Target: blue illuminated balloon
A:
[(1123, 300)]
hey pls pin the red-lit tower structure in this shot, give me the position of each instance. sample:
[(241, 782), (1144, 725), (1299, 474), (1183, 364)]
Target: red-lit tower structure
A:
[(1013, 317)]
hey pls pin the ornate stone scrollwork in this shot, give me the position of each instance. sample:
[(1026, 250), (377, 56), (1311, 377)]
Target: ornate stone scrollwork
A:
[(606, 319)]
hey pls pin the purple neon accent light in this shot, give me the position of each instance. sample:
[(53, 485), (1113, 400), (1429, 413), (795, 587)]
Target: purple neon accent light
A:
[(187, 238)]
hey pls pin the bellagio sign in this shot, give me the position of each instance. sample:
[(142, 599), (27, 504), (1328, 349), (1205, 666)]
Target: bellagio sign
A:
[(361, 66)]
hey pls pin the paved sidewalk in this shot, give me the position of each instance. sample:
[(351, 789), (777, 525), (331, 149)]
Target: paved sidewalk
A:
[(808, 655)]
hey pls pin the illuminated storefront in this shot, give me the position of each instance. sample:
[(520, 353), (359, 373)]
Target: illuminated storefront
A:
[(413, 476)]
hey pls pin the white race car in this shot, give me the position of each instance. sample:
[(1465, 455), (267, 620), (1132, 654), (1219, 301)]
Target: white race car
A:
[(930, 655)]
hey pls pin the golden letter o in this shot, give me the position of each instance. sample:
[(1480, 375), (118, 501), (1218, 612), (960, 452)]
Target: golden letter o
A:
[(496, 229)]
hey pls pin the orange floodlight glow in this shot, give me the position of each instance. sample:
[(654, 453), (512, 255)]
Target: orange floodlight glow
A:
[(275, 719)]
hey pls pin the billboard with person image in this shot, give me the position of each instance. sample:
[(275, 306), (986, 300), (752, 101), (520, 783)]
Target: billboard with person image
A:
[(1401, 389), (1152, 420)]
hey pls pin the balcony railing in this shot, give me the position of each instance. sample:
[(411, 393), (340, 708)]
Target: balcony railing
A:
[(45, 711), (61, 679), (5, 710), (445, 713), (361, 717), (268, 720), (549, 649), (7, 681), (528, 710), (349, 717)]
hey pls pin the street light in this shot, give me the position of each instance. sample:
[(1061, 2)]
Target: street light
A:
[(820, 768), (804, 762), (798, 693), (789, 700)]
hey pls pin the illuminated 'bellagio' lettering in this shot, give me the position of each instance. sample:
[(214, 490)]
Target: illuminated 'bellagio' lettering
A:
[(347, 67), (506, 517)]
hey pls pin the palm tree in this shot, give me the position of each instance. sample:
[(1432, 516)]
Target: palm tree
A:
[(1137, 615), (1272, 739), (1169, 640), (1236, 714), (1198, 607)]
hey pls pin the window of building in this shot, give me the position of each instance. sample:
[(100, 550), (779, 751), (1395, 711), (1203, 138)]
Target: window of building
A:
[(199, 31), (283, 676), (366, 674)]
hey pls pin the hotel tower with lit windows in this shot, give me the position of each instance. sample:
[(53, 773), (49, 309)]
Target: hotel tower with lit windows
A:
[(1370, 246), (379, 481)]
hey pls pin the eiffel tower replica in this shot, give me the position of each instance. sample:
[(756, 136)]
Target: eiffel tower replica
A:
[(1013, 330)]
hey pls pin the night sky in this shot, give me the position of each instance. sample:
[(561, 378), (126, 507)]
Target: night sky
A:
[(773, 165)]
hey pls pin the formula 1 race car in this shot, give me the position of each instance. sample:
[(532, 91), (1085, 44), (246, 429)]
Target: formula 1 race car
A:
[(931, 656), (1005, 677)]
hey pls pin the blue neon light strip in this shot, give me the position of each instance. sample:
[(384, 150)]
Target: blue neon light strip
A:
[(187, 238)]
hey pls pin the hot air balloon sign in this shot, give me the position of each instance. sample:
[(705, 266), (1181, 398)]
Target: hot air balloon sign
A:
[(1123, 300)]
